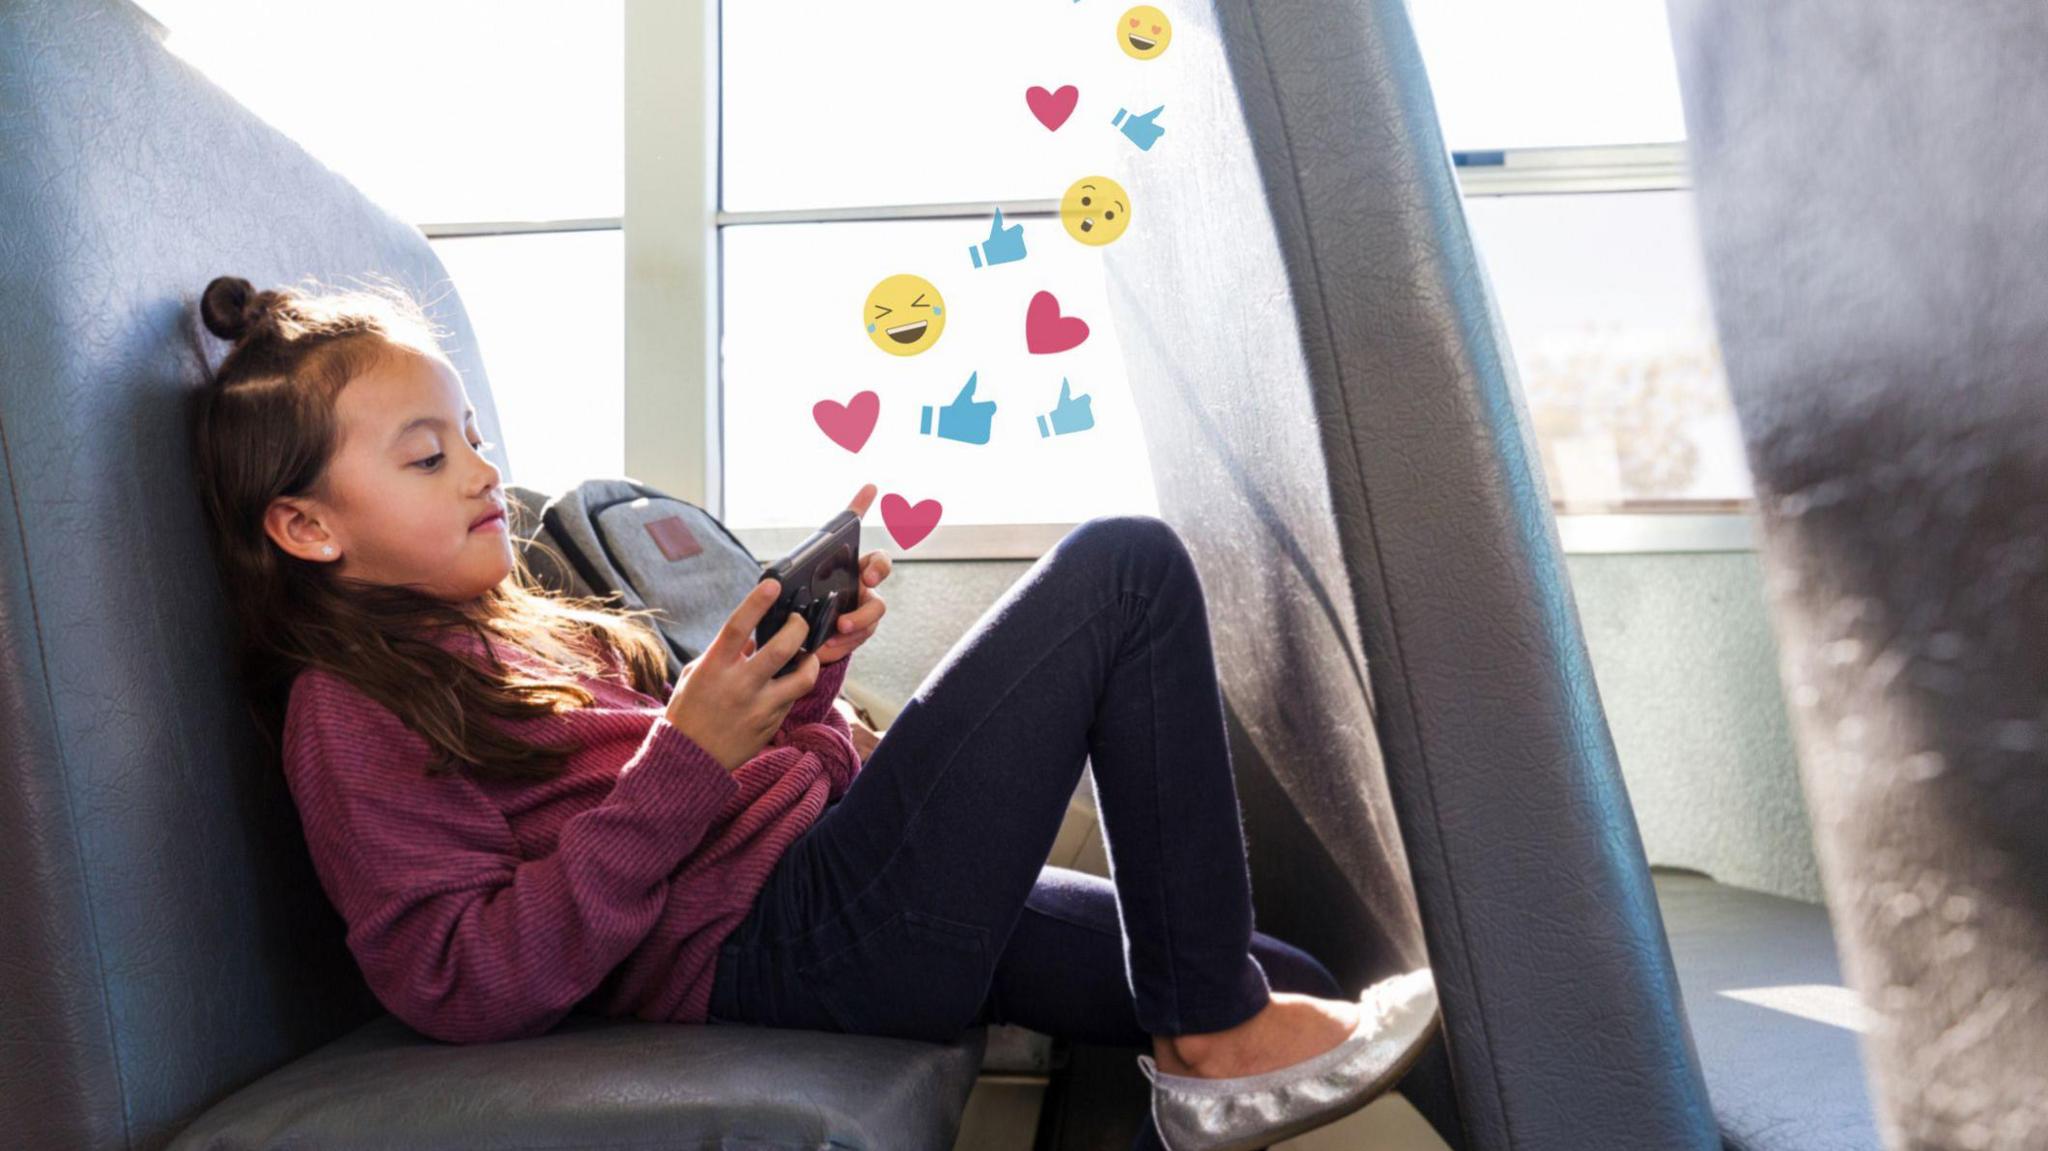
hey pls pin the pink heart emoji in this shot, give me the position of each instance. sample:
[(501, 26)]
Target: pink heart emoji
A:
[(909, 522), (1045, 330), (851, 423), (1052, 108)]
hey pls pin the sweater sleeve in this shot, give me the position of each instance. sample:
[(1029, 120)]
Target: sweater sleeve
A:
[(817, 703), (831, 740), (456, 934), (816, 724)]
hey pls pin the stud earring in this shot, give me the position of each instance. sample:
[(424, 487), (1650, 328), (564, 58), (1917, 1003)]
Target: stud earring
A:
[(329, 550)]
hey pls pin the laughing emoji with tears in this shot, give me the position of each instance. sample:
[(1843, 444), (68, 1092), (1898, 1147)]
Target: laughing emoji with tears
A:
[(904, 315)]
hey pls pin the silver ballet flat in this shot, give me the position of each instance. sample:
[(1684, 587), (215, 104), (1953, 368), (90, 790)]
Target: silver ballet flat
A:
[(1251, 1111)]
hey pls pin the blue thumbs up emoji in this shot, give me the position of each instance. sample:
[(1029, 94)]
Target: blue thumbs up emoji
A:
[(1070, 415), (1004, 245), (1140, 129), (965, 419)]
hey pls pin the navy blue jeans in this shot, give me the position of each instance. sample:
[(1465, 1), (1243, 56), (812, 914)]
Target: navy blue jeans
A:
[(921, 903)]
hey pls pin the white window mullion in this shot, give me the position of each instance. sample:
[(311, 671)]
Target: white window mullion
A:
[(673, 417)]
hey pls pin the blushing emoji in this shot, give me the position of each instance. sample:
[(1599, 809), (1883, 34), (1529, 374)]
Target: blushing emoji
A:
[(1144, 32), (904, 315), (1095, 210)]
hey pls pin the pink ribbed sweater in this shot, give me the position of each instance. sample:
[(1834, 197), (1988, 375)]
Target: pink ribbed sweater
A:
[(481, 911)]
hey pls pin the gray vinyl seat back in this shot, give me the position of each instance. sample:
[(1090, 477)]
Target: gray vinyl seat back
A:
[(166, 939), (1867, 176), (1335, 426)]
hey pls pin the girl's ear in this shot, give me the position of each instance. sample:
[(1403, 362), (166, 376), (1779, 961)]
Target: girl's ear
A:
[(289, 524)]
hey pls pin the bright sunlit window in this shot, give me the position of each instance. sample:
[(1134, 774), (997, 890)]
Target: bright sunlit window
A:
[(1604, 299), (898, 117), (1549, 73), (917, 108), (813, 278), (1603, 294), (503, 117)]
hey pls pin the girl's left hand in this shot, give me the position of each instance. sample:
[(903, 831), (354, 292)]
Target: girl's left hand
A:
[(854, 627), (865, 738)]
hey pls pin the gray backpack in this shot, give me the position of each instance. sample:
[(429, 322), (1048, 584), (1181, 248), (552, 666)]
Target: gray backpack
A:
[(645, 548)]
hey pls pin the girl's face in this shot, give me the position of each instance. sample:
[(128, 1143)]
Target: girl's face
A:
[(404, 486)]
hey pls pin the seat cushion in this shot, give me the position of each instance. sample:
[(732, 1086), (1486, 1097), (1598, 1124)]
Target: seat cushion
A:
[(1776, 1029), (597, 1082)]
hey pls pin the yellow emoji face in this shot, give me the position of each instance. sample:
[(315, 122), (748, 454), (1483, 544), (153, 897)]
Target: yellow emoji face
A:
[(1095, 210), (904, 315), (1143, 32)]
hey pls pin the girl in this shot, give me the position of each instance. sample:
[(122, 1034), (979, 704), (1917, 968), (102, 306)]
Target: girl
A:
[(514, 824)]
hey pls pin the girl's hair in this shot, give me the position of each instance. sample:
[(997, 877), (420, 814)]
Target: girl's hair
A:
[(265, 426)]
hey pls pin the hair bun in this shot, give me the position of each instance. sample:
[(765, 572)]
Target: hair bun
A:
[(231, 307)]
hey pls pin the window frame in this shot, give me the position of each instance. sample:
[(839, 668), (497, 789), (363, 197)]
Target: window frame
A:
[(1541, 171), (472, 229)]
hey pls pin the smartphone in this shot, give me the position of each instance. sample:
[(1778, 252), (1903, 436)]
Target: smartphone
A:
[(820, 579)]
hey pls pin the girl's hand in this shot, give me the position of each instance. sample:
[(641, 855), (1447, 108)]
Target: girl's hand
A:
[(865, 738), (728, 700), (865, 741), (854, 627)]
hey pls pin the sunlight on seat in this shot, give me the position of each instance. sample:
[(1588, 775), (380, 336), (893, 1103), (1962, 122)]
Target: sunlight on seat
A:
[(1820, 1002)]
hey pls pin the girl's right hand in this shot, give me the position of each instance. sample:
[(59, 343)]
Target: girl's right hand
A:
[(728, 699)]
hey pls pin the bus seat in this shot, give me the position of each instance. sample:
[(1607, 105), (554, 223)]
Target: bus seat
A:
[(1777, 1031), (1336, 429), (176, 976), (1867, 180)]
